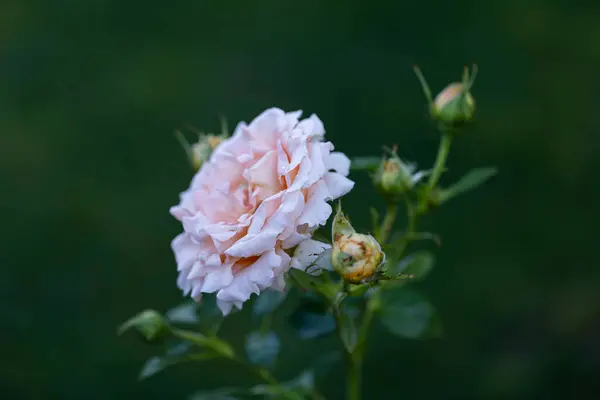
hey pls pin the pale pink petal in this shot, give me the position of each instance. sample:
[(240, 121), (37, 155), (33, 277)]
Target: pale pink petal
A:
[(255, 244), (252, 279), (217, 278), (338, 162), (317, 210), (186, 251), (337, 184), (293, 239), (264, 174), (312, 126), (307, 253), (317, 152)]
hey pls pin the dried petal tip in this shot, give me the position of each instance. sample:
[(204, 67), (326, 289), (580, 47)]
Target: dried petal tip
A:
[(355, 256)]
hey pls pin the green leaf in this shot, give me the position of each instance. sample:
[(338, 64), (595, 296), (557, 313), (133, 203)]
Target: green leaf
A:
[(213, 396), (153, 366), (419, 265), (348, 331), (303, 385), (326, 362), (217, 345), (209, 315), (149, 323), (268, 301), (158, 364), (311, 320), (322, 234), (407, 314), (218, 394), (304, 280), (267, 391), (262, 348), (184, 313), (470, 181), (365, 163)]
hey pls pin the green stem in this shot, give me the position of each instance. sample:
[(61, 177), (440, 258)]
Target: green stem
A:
[(316, 395), (353, 370), (438, 170), (440, 162), (388, 222), (265, 324), (411, 213), (353, 390), (355, 358)]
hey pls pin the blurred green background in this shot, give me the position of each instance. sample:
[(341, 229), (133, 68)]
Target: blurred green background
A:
[(92, 92)]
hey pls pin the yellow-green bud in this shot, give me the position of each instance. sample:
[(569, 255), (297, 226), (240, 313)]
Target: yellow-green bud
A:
[(148, 323), (355, 256), (201, 150), (394, 178), (454, 106)]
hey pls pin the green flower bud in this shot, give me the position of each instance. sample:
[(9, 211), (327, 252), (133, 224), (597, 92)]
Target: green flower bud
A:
[(394, 178), (355, 256), (454, 105), (201, 150), (149, 323)]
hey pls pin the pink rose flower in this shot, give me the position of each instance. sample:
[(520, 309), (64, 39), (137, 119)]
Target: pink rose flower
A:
[(265, 190)]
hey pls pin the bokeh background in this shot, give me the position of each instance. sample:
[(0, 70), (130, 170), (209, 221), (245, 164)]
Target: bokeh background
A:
[(92, 92)]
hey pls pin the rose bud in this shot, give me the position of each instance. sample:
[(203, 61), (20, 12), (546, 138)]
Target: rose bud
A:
[(454, 105), (201, 150), (355, 256)]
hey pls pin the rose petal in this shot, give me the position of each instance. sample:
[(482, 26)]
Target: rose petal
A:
[(337, 184), (307, 253), (338, 162), (317, 211)]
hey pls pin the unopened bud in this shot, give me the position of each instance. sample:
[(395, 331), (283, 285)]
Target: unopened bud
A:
[(394, 178), (149, 323), (454, 105), (201, 150), (355, 256)]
